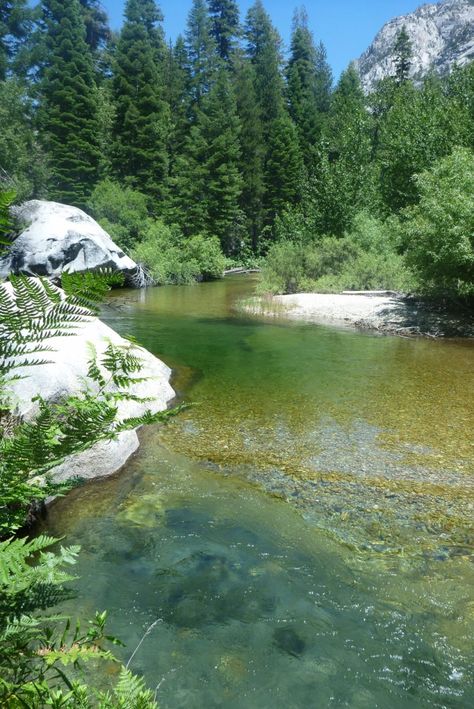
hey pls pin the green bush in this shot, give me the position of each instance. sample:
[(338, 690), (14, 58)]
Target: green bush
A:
[(439, 230), (172, 258), (365, 259), (121, 211)]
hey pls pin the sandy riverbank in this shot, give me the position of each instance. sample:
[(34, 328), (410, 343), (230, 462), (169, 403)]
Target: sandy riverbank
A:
[(384, 312)]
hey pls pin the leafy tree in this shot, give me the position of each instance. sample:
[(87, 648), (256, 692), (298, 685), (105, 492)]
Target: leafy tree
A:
[(309, 82), (402, 55), (170, 257), (225, 25), (121, 211), (142, 116), (419, 127), (439, 230), (68, 116), (201, 49)]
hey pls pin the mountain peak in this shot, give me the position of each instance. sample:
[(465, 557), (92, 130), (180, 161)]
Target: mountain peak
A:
[(441, 33)]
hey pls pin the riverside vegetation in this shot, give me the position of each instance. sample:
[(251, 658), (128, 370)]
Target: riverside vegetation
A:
[(41, 653), (220, 149)]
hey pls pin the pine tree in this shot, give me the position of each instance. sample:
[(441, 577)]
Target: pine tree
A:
[(402, 55), (252, 150), (308, 85), (177, 96), (225, 25), (142, 121), (97, 24), (210, 182), (201, 49), (264, 51), (68, 117), (15, 24), (284, 167)]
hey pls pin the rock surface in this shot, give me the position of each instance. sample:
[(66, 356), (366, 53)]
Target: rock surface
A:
[(442, 35), (65, 374), (388, 313), (57, 238)]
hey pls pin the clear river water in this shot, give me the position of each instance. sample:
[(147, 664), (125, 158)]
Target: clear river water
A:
[(303, 535)]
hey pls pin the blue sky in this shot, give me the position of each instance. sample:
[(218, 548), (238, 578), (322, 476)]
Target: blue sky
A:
[(345, 26)]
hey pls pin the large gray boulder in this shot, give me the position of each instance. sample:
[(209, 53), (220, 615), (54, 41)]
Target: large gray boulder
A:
[(56, 238), (66, 374)]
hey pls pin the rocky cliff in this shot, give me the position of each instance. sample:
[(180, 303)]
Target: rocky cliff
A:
[(442, 35)]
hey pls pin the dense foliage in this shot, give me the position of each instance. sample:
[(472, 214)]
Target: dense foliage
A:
[(220, 134)]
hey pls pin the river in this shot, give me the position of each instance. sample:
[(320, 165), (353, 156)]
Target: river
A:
[(302, 535)]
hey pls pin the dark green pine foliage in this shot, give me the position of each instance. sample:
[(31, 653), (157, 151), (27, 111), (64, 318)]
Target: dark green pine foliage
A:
[(264, 51), (225, 26), (252, 150), (402, 55), (15, 23), (67, 117), (210, 182), (201, 49), (283, 169), (142, 121), (177, 96), (308, 85), (97, 24)]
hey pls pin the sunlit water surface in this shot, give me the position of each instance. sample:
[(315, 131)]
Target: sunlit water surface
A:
[(301, 537)]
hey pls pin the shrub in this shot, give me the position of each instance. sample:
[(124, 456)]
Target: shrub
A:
[(121, 211), (366, 258), (172, 258), (439, 230)]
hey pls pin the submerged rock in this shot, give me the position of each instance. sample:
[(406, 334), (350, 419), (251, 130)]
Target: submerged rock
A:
[(289, 641), (56, 238)]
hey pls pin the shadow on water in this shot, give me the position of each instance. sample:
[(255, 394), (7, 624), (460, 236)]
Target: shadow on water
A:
[(303, 536)]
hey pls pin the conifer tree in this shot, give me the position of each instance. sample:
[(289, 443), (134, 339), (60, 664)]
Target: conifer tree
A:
[(201, 50), (177, 96), (264, 51), (225, 25), (210, 183), (402, 55), (97, 24), (252, 150), (308, 85), (141, 127), (15, 23), (68, 117), (284, 167)]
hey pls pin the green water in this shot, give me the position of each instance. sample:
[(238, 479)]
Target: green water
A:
[(303, 536)]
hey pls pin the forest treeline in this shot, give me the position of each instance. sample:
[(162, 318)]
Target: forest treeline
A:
[(223, 143)]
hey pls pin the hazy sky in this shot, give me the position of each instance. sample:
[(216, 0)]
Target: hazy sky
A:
[(346, 27)]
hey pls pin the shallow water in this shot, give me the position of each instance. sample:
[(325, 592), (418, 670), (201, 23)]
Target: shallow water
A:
[(303, 535)]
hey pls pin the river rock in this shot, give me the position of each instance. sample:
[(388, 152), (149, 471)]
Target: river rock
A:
[(66, 374), (56, 238)]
